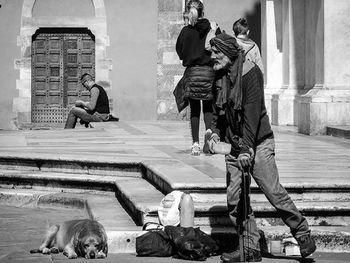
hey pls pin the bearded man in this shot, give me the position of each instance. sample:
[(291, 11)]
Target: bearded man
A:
[(246, 128)]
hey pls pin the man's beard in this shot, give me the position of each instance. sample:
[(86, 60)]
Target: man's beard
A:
[(222, 63)]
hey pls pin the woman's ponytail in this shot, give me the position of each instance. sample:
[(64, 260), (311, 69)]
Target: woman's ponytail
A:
[(193, 16), (195, 10)]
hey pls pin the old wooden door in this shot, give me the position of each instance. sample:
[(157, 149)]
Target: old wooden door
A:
[(58, 61)]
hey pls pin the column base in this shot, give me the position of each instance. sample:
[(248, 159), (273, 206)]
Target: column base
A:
[(319, 108), (284, 109), (269, 91)]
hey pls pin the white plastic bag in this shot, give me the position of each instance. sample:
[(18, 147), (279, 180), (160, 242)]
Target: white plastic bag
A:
[(168, 210)]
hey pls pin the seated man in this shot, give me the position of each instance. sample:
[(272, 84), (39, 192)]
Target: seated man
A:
[(97, 109)]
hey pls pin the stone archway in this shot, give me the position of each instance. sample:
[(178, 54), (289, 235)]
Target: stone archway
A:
[(29, 24)]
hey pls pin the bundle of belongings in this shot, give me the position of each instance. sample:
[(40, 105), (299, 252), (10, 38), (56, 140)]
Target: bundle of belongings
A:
[(169, 239), (182, 242)]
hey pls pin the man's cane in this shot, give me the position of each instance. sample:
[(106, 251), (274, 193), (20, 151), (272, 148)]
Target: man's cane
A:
[(244, 211)]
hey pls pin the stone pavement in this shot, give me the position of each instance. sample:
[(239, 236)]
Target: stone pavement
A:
[(319, 160), (300, 158)]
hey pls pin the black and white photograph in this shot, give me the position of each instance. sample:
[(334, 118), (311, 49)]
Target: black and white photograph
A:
[(173, 131)]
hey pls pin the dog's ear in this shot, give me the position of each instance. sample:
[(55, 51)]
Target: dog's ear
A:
[(78, 245), (79, 249), (105, 248), (104, 240)]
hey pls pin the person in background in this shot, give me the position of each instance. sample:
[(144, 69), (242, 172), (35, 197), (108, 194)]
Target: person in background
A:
[(186, 18), (199, 74), (97, 109), (251, 49), (247, 130)]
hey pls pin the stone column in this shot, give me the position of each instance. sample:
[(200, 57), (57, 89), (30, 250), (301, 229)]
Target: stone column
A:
[(284, 107), (169, 68), (271, 51), (328, 101)]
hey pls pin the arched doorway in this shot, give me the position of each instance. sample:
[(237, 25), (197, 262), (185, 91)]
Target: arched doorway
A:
[(34, 18), (59, 57)]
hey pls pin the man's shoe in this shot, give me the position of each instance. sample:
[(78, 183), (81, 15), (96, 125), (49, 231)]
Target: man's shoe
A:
[(250, 255), (207, 137), (307, 245)]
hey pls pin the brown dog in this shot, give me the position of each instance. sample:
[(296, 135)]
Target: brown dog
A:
[(76, 238)]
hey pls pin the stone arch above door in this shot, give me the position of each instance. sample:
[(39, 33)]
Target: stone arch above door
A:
[(29, 24)]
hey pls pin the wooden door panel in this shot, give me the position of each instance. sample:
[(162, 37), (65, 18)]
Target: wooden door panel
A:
[(40, 99), (58, 61), (71, 76)]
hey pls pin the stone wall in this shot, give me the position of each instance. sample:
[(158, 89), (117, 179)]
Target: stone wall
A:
[(169, 68), (10, 13), (132, 30), (327, 101)]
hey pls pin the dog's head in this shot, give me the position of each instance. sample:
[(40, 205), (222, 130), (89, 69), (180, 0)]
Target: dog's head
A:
[(91, 242), (90, 246)]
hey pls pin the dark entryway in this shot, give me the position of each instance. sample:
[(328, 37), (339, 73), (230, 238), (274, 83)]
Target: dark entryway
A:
[(59, 58)]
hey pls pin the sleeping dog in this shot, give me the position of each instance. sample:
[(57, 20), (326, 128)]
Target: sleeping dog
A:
[(76, 238)]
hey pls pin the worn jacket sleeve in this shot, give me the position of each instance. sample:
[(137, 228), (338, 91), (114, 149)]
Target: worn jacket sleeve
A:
[(214, 124), (252, 100), (216, 110)]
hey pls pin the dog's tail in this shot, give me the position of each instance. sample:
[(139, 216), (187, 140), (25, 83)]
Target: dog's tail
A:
[(36, 250)]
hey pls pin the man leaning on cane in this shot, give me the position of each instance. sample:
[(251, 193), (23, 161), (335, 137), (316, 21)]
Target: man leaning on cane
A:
[(247, 130)]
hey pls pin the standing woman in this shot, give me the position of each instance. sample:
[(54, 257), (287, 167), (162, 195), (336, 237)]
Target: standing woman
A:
[(199, 73)]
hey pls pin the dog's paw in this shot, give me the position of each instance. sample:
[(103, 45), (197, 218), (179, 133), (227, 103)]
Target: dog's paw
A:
[(46, 250), (35, 250), (72, 256), (54, 250), (100, 254)]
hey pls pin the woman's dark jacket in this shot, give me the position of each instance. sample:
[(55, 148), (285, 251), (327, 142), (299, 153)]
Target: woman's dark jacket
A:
[(190, 47)]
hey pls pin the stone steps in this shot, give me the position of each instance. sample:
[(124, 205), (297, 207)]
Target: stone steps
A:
[(122, 237), (325, 205), (214, 213), (339, 131), (73, 166), (174, 175)]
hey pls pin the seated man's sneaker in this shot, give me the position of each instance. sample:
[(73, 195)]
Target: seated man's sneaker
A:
[(207, 137), (307, 245), (86, 124), (250, 255), (195, 149)]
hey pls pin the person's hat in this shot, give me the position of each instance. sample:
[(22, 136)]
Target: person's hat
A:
[(226, 44)]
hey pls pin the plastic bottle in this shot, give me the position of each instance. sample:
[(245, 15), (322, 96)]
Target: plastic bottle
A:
[(186, 211)]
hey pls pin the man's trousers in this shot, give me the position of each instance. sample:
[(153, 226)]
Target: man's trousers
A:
[(266, 176)]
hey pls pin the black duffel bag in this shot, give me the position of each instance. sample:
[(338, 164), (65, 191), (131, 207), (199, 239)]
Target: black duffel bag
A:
[(191, 243), (154, 244)]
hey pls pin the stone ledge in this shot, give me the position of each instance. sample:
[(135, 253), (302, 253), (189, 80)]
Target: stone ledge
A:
[(120, 239), (339, 131)]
